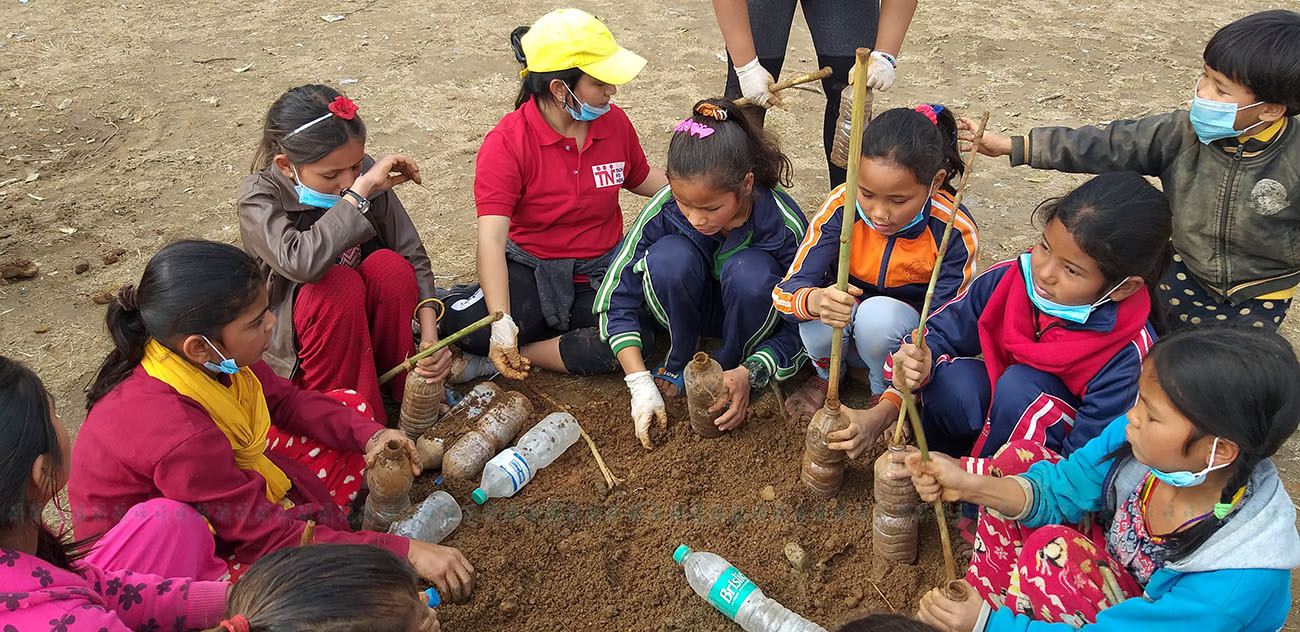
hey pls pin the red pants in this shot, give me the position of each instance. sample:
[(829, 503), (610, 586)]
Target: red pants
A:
[(351, 322), (1055, 573)]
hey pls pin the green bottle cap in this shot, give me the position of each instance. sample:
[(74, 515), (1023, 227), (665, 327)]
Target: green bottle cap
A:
[(479, 496), (680, 553)]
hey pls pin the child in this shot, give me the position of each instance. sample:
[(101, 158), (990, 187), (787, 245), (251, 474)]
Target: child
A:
[(1231, 169), (182, 407), (703, 256), (903, 198), (335, 587), (343, 264), (51, 584), (1061, 330), (546, 185), (1196, 529)]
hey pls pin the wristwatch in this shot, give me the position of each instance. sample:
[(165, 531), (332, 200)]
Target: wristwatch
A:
[(363, 204), (758, 375)]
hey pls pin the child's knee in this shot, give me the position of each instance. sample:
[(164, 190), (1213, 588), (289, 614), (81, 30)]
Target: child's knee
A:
[(750, 273), (1052, 548), (172, 516), (341, 286), (672, 257), (391, 271)]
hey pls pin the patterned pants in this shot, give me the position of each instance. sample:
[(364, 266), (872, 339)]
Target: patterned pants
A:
[(1187, 304), (1055, 573)]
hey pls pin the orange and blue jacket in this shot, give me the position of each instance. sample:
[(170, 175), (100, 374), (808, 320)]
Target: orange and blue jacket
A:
[(897, 266)]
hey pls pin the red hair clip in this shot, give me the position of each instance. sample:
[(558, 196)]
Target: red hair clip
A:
[(239, 623), (929, 112), (343, 108)]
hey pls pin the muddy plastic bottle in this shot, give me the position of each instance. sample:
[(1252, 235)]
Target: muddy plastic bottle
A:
[(433, 520), (466, 457), (474, 403), (704, 386), (497, 427), (421, 403), (510, 470), (430, 449), (389, 480), (712, 578), (822, 469), (893, 519), (844, 127)]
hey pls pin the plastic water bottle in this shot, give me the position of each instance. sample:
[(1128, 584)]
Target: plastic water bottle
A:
[(510, 470), (712, 578), (432, 521)]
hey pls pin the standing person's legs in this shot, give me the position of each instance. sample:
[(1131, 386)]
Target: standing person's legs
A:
[(838, 28), (769, 23), (162, 537), (954, 404), (1030, 405), (748, 317), (391, 296), (680, 293), (333, 332), (879, 326)]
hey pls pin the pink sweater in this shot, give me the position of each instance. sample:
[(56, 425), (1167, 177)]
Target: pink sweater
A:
[(38, 596), (144, 440)]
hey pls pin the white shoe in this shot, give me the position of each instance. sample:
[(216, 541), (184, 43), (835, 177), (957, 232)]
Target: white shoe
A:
[(466, 366)]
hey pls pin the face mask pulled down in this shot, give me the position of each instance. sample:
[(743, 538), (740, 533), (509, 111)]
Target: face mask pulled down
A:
[(1073, 313), (312, 197)]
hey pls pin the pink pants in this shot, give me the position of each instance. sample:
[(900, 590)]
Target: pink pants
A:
[(1055, 573), (162, 537), (352, 321)]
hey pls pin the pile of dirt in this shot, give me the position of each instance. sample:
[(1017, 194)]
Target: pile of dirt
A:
[(566, 553)]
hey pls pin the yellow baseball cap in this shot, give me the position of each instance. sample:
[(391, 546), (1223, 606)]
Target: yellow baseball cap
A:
[(573, 38)]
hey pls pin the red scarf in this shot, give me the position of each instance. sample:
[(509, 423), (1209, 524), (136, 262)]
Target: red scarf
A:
[(1007, 329)]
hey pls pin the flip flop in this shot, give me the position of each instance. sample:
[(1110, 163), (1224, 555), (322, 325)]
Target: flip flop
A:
[(661, 372)]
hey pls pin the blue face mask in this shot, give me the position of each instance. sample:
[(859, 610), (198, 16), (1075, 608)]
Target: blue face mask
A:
[(312, 197), (227, 365), (587, 113), (1214, 120), (1190, 479), (915, 220), (1073, 313)]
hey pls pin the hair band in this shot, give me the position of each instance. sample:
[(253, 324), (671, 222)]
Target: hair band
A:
[(712, 111), (237, 623), (930, 111), (341, 107)]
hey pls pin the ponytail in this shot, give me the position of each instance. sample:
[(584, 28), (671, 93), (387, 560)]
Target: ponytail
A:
[(720, 142), (922, 140), (189, 287)]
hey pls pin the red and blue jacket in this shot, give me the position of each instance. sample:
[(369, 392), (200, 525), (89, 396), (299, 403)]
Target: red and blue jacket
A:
[(897, 266)]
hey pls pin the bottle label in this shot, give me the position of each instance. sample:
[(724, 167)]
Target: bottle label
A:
[(513, 465), (731, 590)]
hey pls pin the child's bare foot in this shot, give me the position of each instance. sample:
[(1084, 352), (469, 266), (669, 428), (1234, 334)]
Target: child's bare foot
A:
[(805, 402)]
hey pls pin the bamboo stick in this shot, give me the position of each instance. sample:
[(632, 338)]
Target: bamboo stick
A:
[(949, 563), (308, 533), (409, 363), (816, 75)]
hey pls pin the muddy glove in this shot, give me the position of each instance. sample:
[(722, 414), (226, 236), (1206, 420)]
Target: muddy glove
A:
[(647, 404), (880, 71), (754, 82), (503, 349)]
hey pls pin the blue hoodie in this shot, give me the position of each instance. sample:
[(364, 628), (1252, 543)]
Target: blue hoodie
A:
[(1239, 579)]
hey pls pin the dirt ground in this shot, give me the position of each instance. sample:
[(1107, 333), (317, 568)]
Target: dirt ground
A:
[(127, 125)]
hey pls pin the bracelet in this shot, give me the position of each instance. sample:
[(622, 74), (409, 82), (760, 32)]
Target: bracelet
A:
[(442, 309)]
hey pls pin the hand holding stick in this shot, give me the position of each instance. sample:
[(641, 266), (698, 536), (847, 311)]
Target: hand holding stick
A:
[(409, 363), (790, 83)]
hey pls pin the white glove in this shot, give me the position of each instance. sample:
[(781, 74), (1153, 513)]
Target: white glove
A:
[(503, 349), (880, 71), (754, 81), (647, 403)]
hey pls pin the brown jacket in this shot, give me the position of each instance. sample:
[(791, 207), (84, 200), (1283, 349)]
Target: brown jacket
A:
[(295, 244)]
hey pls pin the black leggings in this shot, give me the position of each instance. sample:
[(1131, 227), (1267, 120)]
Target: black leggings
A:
[(581, 348), (838, 28)]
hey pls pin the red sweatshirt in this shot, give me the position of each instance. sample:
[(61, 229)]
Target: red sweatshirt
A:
[(144, 440)]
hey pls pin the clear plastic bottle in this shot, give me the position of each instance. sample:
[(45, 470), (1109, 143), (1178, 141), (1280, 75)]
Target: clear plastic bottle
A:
[(844, 127), (704, 386), (507, 472), (712, 578), (497, 427), (433, 520)]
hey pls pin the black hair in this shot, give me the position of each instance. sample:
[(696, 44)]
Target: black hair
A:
[(298, 107), (738, 146), (1238, 384), (27, 431), (1123, 223), (912, 141), (885, 622), (189, 287), (537, 85), (1262, 52), (328, 588)]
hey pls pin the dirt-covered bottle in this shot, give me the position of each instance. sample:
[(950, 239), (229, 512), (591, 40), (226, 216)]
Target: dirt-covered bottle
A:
[(822, 469), (389, 480), (844, 127), (496, 429), (421, 405), (893, 518), (704, 387)]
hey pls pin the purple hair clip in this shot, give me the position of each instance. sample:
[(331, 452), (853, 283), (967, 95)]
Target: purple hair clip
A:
[(698, 130)]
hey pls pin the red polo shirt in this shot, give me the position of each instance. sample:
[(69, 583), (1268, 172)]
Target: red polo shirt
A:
[(562, 200)]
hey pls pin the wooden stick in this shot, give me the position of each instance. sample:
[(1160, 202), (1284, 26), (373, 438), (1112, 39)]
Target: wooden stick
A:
[(308, 533), (409, 363), (949, 563), (919, 338), (610, 479), (847, 220), (790, 83)]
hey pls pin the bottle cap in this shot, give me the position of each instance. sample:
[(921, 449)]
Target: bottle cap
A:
[(479, 496), (680, 553), (434, 599)]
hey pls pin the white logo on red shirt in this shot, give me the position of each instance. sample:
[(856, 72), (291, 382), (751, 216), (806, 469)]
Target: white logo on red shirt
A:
[(608, 175)]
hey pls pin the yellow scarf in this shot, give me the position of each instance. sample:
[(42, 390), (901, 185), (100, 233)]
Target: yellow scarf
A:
[(239, 411)]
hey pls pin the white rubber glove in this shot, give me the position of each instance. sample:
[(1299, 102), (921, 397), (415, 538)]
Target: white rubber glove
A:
[(503, 349), (754, 81), (647, 404), (880, 71)]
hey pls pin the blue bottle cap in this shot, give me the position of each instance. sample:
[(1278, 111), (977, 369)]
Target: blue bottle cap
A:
[(680, 553), (479, 496), (434, 599)]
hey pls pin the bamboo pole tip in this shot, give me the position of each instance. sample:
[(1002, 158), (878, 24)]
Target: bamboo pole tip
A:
[(863, 55)]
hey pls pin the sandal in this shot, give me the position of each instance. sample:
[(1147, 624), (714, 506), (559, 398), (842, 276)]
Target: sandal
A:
[(661, 372), (814, 382)]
